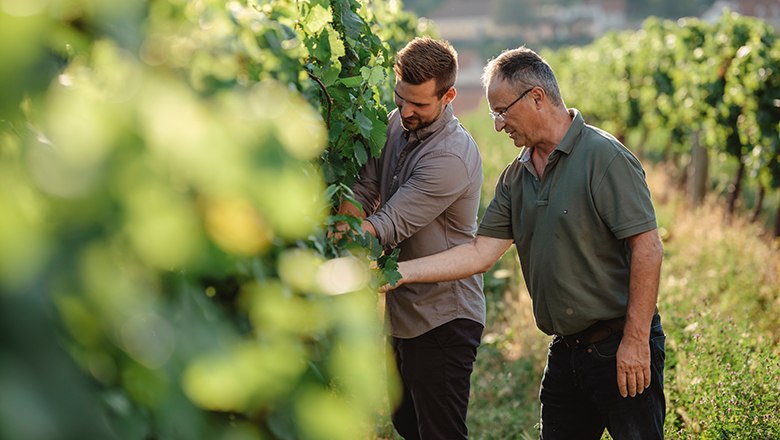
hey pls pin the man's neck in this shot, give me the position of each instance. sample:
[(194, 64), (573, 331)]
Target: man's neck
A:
[(559, 124)]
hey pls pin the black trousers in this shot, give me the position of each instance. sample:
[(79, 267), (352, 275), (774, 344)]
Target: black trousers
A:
[(435, 370), (580, 396)]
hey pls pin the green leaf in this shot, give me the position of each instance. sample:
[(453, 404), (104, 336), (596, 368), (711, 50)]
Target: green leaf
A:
[(337, 48), (331, 74), (353, 23), (351, 199), (329, 171), (378, 137), (389, 266), (365, 72), (364, 124), (318, 47), (331, 191), (352, 81), (360, 153), (317, 18), (351, 220), (377, 76), (372, 244)]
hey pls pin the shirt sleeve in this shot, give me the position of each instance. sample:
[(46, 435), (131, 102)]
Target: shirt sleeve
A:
[(622, 198), (436, 182), (497, 221)]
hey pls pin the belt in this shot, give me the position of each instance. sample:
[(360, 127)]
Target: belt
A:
[(595, 333)]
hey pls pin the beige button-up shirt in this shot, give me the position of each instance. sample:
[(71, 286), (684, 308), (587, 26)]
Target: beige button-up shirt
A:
[(422, 195)]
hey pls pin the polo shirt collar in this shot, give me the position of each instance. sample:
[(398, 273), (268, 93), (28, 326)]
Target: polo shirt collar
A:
[(577, 124), (525, 155), (568, 141), (447, 115)]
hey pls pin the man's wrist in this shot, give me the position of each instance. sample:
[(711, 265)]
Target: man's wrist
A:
[(634, 334), (401, 268)]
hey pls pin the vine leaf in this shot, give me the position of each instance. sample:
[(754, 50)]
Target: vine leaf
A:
[(388, 264), (352, 81), (364, 124)]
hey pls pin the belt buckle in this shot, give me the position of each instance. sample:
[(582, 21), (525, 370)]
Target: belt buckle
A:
[(574, 341)]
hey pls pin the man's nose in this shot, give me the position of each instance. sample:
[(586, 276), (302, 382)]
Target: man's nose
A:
[(406, 110), (498, 124)]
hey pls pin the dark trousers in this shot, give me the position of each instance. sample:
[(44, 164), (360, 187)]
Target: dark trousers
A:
[(580, 397), (435, 370)]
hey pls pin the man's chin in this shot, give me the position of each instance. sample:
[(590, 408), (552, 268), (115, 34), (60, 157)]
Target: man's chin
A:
[(410, 125)]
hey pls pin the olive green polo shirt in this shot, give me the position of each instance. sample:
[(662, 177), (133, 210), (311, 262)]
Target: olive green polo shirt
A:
[(570, 226)]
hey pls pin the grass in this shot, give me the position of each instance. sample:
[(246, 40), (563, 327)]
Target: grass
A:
[(720, 294)]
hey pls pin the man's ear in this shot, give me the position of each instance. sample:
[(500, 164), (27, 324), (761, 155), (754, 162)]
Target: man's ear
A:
[(449, 95), (537, 95)]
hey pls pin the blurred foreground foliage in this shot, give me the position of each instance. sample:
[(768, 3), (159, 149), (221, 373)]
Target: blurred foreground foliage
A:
[(167, 171)]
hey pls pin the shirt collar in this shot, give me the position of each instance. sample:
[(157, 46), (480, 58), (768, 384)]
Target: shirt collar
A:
[(525, 155), (447, 115), (566, 144), (577, 124)]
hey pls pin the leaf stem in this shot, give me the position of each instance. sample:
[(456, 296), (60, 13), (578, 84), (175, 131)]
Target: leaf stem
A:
[(327, 95)]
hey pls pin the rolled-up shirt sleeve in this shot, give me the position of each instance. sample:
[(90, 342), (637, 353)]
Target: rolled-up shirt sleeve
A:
[(436, 183)]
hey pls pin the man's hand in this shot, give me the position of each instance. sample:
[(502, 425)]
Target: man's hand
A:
[(454, 263), (633, 366), (340, 229), (387, 287)]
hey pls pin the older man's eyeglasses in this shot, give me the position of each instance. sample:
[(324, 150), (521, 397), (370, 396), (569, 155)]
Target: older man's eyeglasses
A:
[(499, 116)]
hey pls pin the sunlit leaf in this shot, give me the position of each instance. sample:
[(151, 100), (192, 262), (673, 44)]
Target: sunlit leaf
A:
[(317, 19)]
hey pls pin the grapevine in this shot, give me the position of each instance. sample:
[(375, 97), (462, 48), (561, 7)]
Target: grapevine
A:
[(168, 175)]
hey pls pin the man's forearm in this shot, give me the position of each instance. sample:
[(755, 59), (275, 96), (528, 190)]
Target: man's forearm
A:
[(633, 355), (646, 259), (348, 208), (454, 263)]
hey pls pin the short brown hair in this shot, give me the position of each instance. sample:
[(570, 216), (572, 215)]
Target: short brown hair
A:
[(423, 59)]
